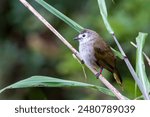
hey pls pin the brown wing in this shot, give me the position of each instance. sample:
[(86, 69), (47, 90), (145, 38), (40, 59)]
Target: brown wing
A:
[(104, 55)]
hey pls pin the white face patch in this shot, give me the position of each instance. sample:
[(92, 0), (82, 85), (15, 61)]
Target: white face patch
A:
[(83, 37)]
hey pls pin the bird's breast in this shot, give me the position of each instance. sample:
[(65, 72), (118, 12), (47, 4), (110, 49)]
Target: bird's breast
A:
[(87, 53)]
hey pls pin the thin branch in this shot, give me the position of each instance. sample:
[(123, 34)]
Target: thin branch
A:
[(138, 81), (146, 57), (75, 52)]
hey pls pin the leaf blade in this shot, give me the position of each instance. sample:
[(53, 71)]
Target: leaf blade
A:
[(44, 81), (140, 67), (60, 15), (103, 11)]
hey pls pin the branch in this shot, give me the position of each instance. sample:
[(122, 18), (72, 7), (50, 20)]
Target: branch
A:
[(138, 81), (146, 57), (75, 52)]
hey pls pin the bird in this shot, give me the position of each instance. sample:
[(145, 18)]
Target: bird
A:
[(96, 53)]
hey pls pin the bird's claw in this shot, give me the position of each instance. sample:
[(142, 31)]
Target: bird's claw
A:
[(82, 61), (97, 74)]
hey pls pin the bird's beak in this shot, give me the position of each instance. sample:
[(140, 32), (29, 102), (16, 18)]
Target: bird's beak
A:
[(76, 38)]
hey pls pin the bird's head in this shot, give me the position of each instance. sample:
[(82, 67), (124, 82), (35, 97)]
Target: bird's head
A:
[(86, 35)]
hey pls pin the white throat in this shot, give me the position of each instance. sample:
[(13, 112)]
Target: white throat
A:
[(86, 51)]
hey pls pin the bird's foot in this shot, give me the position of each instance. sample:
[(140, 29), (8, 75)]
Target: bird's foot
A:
[(101, 70), (125, 57), (82, 61), (97, 74)]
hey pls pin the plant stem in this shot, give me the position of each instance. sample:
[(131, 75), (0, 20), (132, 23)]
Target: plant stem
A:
[(138, 81), (75, 52), (146, 57)]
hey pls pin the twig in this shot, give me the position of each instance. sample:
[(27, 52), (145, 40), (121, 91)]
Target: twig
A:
[(139, 83), (75, 52), (147, 58), (83, 68)]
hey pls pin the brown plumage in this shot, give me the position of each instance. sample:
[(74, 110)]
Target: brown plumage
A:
[(97, 53), (105, 58)]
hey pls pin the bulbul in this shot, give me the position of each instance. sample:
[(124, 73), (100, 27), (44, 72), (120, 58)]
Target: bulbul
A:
[(96, 53)]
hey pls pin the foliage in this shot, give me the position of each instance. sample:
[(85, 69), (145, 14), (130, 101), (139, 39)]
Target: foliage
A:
[(44, 81), (140, 66)]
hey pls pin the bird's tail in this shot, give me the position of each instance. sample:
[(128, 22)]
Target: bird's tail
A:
[(117, 77)]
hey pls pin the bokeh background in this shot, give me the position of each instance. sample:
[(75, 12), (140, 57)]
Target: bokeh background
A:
[(28, 48)]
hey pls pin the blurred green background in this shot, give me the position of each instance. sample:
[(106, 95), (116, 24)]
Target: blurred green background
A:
[(28, 48)]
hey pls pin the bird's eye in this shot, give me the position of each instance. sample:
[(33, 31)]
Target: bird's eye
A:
[(83, 35)]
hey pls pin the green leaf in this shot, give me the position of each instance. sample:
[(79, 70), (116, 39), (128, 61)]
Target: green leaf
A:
[(117, 53), (58, 14), (146, 57), (103, 11), (44, 81), (140, 66)]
